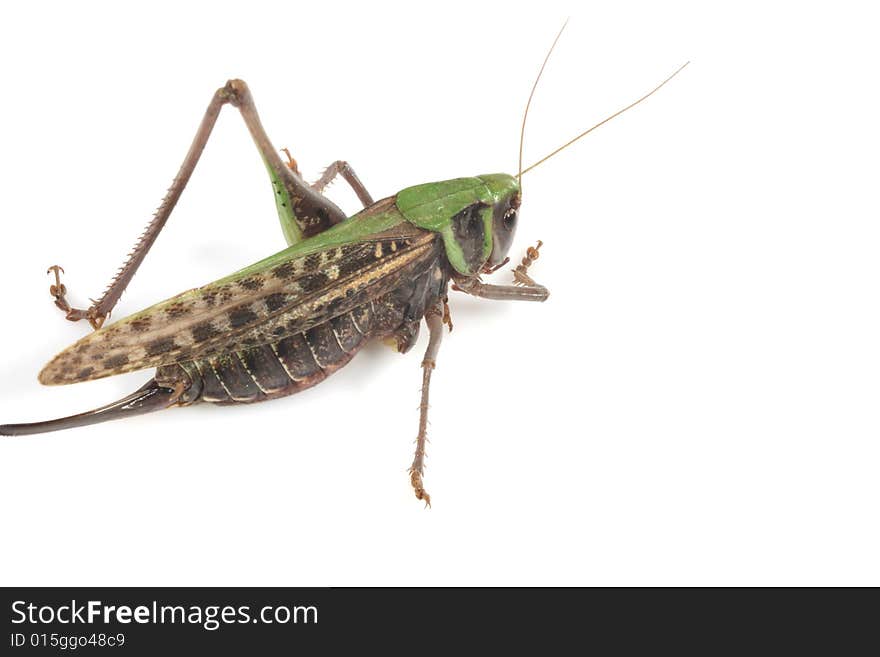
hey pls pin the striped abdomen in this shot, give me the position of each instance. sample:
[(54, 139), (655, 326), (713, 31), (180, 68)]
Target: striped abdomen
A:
[(307, 358)]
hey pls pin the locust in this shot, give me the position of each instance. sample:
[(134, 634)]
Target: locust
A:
[(286, 323)]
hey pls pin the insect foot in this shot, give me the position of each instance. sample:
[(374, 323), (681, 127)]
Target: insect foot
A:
[(291, 162), (520, 276), (59, 292), (415, 478)]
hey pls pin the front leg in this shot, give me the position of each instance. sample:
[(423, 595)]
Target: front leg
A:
[(524, 288), (478, 288)]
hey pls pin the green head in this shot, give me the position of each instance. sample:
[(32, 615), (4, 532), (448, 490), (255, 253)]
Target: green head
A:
[(475, 216)]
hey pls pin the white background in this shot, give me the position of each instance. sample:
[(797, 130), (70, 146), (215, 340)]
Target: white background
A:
[(695, 404)]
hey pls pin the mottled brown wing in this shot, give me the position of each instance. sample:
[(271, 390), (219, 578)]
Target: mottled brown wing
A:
[(258, 308)]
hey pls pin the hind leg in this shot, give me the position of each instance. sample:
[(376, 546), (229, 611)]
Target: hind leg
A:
[(303, 211)]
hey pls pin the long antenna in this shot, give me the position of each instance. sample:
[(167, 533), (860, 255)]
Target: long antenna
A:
[(602, 122), (522, 131)]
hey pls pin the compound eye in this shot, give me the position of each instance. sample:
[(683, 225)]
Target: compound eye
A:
[(509, 219)]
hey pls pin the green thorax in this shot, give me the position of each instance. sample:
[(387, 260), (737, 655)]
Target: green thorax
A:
[(434, 206), (431, 206)]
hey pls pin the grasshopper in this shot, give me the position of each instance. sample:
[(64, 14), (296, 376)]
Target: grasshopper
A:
[(287, 322)]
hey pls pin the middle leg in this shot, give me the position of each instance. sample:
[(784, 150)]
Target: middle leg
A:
[(434, 320), (342, 168)]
